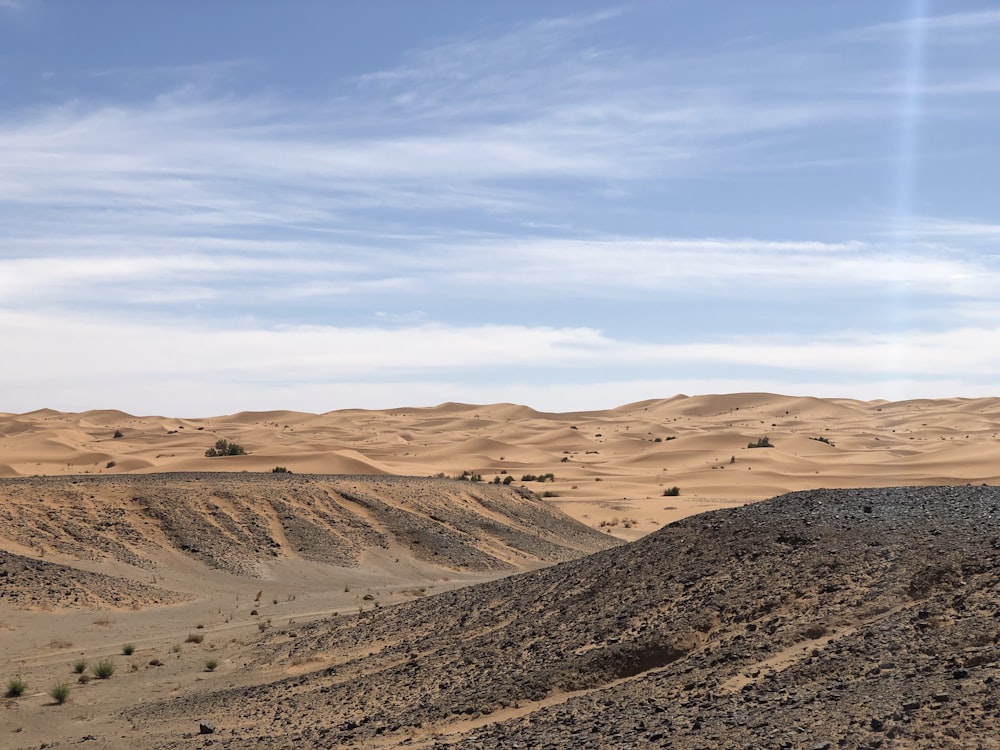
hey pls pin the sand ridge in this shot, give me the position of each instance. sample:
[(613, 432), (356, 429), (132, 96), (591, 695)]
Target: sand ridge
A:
[(610, 466)]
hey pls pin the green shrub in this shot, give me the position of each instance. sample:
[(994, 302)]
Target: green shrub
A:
[(672, 492), (211, 664), (550, 477), (507, 479), (16, 687), (225, 448), (59, 692), (110, 464), (280, 470), (762, 443), (80, 666), (128, 649), (118, 434), (104, 669)]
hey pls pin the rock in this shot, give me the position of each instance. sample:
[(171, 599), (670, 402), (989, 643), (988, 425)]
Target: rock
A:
[(206, 728)]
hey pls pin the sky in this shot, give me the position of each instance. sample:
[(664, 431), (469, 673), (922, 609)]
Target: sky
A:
[(211, 207)]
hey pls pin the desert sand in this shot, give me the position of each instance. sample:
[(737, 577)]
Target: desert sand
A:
[(609, 466), (252, 600)]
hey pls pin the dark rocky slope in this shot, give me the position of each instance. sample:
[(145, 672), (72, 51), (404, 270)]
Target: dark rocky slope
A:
[(826, 619)]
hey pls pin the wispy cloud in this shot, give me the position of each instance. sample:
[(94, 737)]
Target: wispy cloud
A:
[(500, 202), (321, 358), (947, 28)]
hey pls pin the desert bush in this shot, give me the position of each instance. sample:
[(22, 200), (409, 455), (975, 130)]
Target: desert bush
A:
[(110, 464), (822, 439), (128, 649), (84, 678), (550, 477), (280, 470), (59, 692), (507, 480), (194, 638), (224, 448), (104, 669), (80, 666), (16, 687), (550, 493), (118, 434), (761, 443), (211, 664), (672, 492), (470, 476)]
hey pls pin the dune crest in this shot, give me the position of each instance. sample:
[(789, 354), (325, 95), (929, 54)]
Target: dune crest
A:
[(608, 466)]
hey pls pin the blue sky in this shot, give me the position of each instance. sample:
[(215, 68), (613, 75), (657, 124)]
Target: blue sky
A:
[(213, 207)]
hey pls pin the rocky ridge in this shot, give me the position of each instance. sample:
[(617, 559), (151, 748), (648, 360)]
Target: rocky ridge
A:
[(847, 619), (242, 523)]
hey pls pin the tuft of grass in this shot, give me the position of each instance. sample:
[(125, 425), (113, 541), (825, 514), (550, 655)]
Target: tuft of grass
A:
[(128, 649), (211, 664), (672, 492), (16, 687), (80, 666), (84, 678), (194, 638), (59, 692), (175, 649), (104, 669)]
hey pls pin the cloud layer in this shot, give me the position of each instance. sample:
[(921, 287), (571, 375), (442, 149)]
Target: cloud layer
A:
[(519, 211)]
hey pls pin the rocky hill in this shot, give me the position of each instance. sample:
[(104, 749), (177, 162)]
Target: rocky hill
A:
[(819, 619), (57, 532)]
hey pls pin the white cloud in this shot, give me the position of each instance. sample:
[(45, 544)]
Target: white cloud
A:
[(74, 364), (182, 203)]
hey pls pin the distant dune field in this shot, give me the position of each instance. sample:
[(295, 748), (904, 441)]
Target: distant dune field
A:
[(610, 467)]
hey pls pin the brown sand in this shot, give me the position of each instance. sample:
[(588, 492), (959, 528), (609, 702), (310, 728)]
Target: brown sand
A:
[(610, 474), (608, 468)]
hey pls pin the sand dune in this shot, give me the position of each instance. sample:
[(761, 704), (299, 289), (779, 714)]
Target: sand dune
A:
[(597, 457), (104, 540)]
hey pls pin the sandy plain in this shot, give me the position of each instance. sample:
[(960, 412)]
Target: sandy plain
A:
[(610, 470)]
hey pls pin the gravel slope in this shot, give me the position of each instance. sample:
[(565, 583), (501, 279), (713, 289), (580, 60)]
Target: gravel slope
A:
[(847, 618)]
